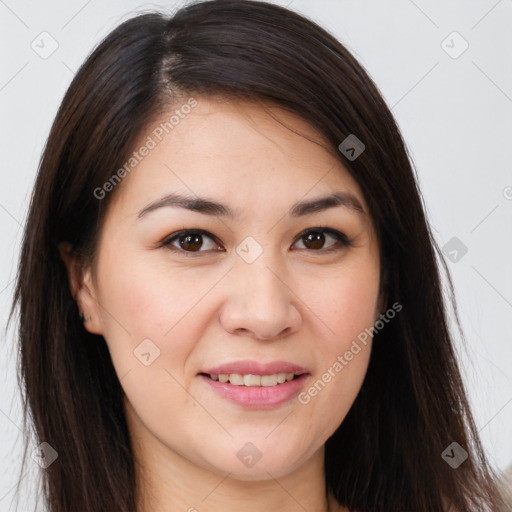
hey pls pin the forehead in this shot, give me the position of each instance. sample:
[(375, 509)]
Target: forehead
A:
[(243, 152)]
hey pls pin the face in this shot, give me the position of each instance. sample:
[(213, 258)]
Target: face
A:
[(269, 286)]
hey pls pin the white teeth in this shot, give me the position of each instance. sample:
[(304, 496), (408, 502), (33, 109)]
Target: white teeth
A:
[(236, 379), (251, 380), (281, 377), (269, 380)]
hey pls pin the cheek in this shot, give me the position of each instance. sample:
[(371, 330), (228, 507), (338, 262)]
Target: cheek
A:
[(348, 304), (350, 313), (347, 307), (151, 327), (147, 301)]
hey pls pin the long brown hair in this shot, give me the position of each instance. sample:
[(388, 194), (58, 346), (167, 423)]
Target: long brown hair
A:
[(386, 456)]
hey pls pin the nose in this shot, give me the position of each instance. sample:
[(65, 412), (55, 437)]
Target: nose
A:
[(259, 302)]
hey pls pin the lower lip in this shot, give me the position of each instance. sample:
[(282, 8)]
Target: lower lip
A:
[(258, 397)]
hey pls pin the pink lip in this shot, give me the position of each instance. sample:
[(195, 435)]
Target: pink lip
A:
[(255, 368), (262, 397)]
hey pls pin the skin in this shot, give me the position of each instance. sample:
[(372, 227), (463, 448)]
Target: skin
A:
[(296, 302)]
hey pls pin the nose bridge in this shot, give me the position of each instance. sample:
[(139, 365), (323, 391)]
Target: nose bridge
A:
[(259, 283), (260, 278), (259, 301)]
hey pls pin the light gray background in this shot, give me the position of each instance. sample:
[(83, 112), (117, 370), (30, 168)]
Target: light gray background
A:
[(455, 115)]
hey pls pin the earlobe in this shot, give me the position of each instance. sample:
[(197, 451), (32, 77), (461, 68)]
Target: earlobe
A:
[(91, 310), (81, 288)]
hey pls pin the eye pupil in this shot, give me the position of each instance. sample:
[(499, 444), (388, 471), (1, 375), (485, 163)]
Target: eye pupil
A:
[(193, 241), (317, 239)]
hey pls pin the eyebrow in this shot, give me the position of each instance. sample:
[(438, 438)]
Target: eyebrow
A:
[(208, 206)]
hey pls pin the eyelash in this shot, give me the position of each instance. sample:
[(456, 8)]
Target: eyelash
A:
[(342, 240)]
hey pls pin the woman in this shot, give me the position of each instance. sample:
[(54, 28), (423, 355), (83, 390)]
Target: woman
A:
[(228, 291)]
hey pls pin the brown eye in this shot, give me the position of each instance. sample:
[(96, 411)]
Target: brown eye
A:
[(314, 239), (189, 242)]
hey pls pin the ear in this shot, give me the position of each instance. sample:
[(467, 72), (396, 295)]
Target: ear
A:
[(82, 288)]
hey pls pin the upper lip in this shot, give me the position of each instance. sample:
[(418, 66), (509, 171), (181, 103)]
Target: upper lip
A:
[(256, 368)]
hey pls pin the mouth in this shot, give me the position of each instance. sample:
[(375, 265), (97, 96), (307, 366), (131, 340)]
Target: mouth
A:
[(252, 385), (255, 385), (252, 380)]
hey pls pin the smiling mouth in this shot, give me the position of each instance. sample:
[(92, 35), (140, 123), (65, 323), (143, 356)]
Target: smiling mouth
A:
[(251, 380)]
